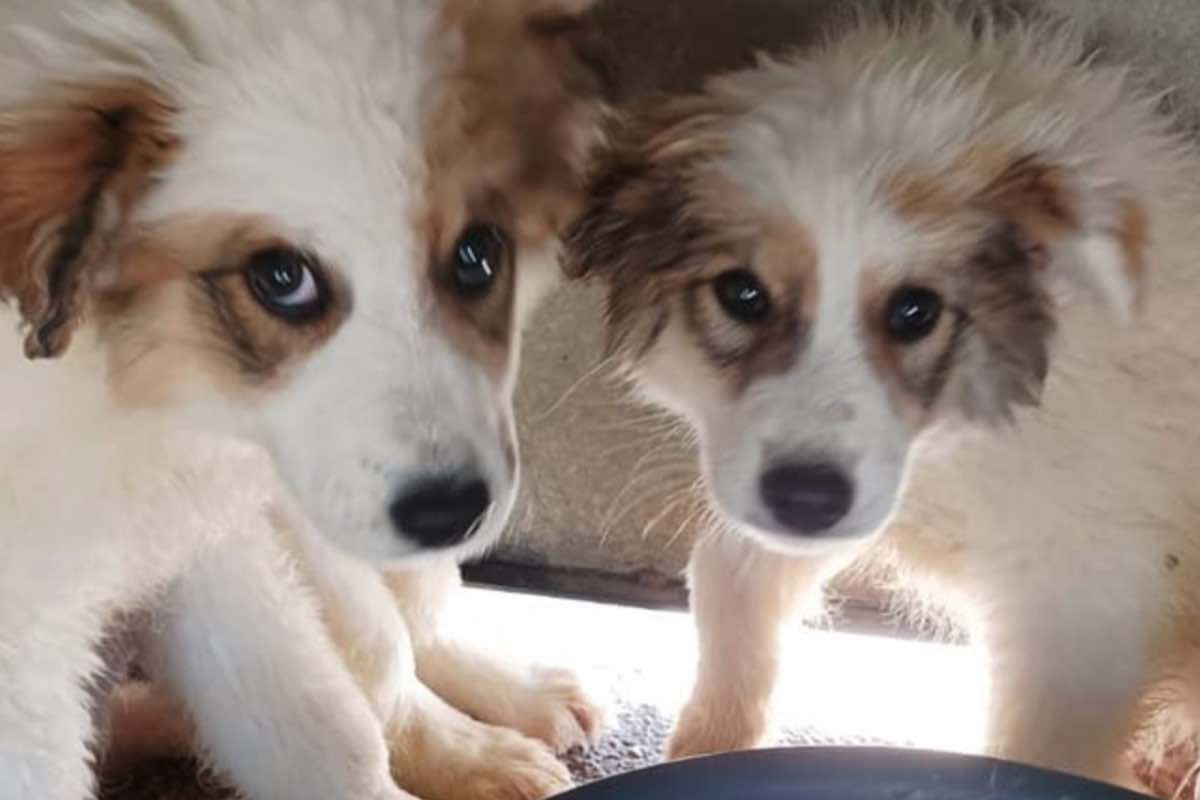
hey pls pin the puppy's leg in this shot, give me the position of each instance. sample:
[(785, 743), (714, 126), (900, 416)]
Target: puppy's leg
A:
[(244, 650), (545, 704), (740, 595), (1066, 683), (357, 610), (436, 752), (441, 754), (45, 723)]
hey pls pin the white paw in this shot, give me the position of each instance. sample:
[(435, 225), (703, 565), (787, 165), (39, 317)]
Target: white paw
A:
[(514, 767), (558, 711), (467, 760)]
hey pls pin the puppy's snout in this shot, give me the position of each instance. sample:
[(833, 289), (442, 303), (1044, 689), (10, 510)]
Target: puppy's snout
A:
[(442, 511), (807, 498)]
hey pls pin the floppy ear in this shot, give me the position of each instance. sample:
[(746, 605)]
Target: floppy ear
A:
[(649, 213), (70, 172), (642, 217), (1097, 237)]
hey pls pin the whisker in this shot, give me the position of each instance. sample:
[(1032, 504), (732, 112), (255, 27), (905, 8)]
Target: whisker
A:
[(599, 367)]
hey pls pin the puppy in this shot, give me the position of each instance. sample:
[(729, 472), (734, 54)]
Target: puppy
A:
[(926, 294), (273, 239)]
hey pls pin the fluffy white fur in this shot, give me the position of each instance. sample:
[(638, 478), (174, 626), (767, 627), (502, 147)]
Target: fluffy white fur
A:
[(1067, 539), (310, 115)]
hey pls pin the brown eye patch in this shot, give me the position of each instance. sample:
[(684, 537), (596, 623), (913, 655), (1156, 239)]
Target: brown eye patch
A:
[(473, 284), (989, 350), (1012, 321), (244, 327), (915, 368), (182, 297), (763, 338)]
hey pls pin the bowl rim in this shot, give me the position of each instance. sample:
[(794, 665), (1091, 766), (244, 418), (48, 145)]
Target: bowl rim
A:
[(847, 773)]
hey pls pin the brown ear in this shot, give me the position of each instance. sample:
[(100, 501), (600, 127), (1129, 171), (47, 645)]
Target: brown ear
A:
[(1099, 239), (653, 212), (70, 171), (643, 216)]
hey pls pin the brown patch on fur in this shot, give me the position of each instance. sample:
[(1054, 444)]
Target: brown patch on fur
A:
[(1004, 361), (510, 145), (784, 259), (179, 301), (894, 363), (261, 345), (479, 326), (663, 225), (144, 724), (70, 171), (1024, 190), (918, 196), (1035, 196), (522, 112), (645, 224), (989, 352), (1133, 237)]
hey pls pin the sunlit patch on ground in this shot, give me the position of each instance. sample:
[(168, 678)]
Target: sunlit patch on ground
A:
[(836, 687)]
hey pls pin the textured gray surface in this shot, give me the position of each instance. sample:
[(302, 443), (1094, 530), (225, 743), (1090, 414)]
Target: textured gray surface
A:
[(603, 489)]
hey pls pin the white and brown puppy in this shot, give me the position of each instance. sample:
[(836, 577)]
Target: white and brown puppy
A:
[(888, 282), (270, 237)]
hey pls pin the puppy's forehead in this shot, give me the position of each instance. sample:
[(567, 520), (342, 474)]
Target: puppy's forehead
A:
[(322, 185), (321, 144), (849, 223)]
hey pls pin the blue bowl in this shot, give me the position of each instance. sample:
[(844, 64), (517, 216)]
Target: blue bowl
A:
[(846, 773)]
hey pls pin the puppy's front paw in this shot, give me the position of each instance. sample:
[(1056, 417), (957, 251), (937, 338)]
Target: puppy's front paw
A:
[(706, 727), (513, 767), (453, 757), (558, 711)]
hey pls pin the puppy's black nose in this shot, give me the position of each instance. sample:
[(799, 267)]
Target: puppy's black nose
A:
[(807, 498), (441, 512)]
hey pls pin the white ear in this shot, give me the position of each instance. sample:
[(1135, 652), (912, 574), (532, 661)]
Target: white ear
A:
[(1114, 256), (1107, 269), (1099, 240)]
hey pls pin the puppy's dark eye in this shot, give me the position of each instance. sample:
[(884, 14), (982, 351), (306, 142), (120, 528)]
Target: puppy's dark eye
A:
[(285, 283), (912, 314), (478, 259), (742, 296)]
